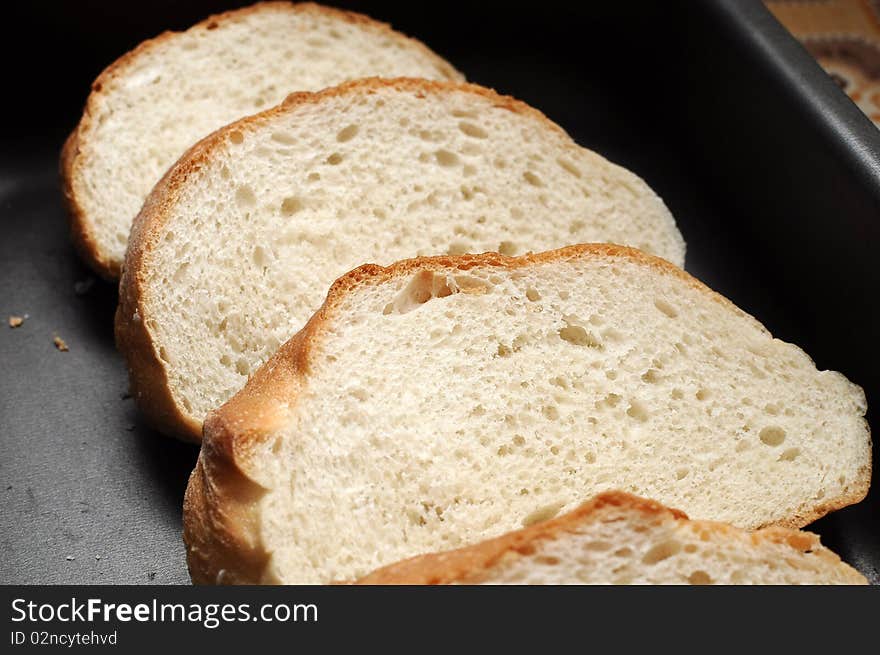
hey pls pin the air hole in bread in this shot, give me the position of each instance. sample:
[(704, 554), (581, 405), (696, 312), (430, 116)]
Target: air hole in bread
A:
[(236, 137), (347, 133), (260, 257), (508, 248), (772, 435), (334, 159), (457, 248), (702, 394), (576, 226), (699, 578), (611, 400), (790, 454), (245, 197), (550, 412), (291, 205), (651, 376), (427, 285), (568, 167), (637, 411), (544, 513), (681, 474), (662, 551), (533, 295), (446, 158), (547, 560), (283, 138), (472, 130), (578, 336), (665, 308), (533, 179)]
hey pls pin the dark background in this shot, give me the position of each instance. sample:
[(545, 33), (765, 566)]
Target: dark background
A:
[(771, 172)]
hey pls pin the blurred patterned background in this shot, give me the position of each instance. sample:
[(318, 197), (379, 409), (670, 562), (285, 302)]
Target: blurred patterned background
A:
[(844, 36)]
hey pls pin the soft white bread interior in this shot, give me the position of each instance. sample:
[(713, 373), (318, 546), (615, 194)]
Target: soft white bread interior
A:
[(617, 538), (237, 246), (443, 401), (156, 101)]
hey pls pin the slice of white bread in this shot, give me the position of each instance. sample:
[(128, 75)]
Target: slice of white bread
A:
[(618, 538), (153, 103), (236, 247), (443, 401)]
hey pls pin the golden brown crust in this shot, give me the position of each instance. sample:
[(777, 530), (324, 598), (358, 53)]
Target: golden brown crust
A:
[(473, 564), (239, 427), (220, 526), (220, 513), (81, 227), (147, 374), (148, 380)]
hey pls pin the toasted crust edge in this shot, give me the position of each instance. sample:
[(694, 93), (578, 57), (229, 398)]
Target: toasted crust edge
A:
[(81, 227), (471, 564), (148, 378), (233, 432)]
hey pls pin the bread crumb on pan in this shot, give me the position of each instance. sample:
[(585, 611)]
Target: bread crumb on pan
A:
[(16, 321), (60, 344)]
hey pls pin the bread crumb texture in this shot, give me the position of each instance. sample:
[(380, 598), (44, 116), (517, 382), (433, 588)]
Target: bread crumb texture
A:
[(152, 104), (444, 401), (241, 245)]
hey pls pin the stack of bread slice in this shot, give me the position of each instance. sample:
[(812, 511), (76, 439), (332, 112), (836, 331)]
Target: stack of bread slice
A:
[(438, 399)]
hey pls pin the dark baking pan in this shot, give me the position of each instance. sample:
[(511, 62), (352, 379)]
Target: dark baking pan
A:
[(773, 174)]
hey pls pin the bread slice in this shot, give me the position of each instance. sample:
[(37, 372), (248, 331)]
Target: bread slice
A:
[(618, 538), (237, 246), (443, 401), (153, 103)]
